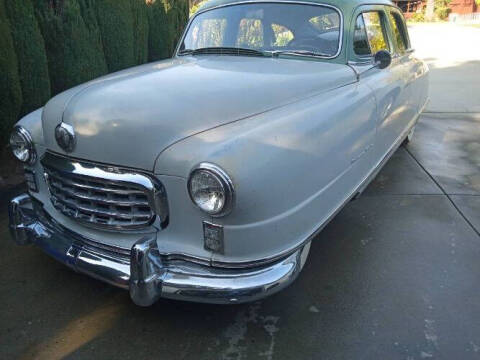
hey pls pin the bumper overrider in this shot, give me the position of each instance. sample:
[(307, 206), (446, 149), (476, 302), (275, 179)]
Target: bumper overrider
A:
[(146, 273)]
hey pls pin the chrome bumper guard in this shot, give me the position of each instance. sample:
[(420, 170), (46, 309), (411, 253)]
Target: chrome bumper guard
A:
[(143, 270)]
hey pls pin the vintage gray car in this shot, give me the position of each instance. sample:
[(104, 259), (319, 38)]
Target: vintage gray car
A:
[(206, 176)]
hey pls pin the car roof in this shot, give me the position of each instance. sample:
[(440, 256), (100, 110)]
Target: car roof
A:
[(343, 5)]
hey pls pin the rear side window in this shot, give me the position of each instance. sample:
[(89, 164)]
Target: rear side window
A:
[(399, 32), (369, 36)]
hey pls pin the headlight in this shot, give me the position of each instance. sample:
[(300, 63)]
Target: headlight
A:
[(211, 189), (22, 145)]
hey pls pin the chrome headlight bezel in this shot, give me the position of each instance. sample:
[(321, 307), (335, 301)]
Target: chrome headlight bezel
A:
[(29, 146), (223, 180)]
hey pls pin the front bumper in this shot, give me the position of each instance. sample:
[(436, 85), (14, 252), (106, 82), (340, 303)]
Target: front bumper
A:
[(146, 273)]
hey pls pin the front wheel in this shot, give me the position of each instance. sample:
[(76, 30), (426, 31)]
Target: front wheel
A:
[(409, 137)]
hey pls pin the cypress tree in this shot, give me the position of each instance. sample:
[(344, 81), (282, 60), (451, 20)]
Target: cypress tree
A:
[(158, 32), (30, 49), (177, 17), (51, 25), (140, 31), (116, 24), (73, 42), (10, 90)]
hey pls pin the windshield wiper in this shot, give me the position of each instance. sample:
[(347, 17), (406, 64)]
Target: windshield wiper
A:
[(276, 53), (224, 51)]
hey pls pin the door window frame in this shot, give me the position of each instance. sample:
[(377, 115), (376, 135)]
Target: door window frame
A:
[(403, 31), (352, 57)]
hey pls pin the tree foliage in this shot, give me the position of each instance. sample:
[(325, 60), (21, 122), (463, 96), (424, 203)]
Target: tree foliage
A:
[(115, 18), (48, 46), (32, 60), (140, 31), (73, 43), (10, 90), (158, 32)]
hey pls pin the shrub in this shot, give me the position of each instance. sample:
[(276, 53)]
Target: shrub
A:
[(418, 17), (197, 5), (158, 32), (115, 18), (73, 43), (177, 16), (11, 94), (30, 50), (140, 31), (442, 9), (62, 43)]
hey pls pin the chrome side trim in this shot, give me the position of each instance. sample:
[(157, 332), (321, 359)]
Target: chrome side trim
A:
[(340, 14), (146, 273)]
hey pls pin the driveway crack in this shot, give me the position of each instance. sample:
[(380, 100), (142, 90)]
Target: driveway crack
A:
[(443, 191)]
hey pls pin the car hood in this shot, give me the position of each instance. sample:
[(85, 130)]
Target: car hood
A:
[(129, 117)]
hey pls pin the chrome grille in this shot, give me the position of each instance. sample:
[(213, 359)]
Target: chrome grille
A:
[(101, 196)]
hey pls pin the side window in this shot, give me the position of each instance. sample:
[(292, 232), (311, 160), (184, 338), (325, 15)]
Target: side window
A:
[(250, 33), (399, 32), (281, 35), (360, 39), (369, 29)]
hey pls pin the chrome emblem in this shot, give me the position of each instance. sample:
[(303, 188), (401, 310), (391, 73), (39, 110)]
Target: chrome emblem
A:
[(65, 136)]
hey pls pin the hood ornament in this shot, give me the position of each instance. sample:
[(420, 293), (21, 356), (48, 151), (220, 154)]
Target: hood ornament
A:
[(65, 136)]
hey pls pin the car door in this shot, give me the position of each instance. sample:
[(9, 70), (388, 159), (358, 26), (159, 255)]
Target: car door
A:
[(371, 33), (403, 60), (414, 68)]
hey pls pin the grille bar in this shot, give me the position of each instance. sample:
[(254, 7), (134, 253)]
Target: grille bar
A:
[(102, 196), (98, 186), (106, 199)]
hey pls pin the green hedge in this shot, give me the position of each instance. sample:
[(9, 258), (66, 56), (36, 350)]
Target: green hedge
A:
[(158, 32), (32, 60), (48, 46), (115, 18), (140, 31), (73, 43), (10, 90)]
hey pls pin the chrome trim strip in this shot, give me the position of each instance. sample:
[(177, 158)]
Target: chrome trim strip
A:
[(145, 272), (340, 14)]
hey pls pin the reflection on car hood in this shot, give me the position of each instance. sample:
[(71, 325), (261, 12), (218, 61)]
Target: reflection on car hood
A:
[(129, 117)]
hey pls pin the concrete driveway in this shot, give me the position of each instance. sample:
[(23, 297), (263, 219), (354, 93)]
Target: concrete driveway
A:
[(396, 275)]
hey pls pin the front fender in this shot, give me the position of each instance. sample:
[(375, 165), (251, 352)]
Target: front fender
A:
[(291, 167)]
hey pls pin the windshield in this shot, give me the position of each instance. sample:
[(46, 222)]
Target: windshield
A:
[(266, 27)]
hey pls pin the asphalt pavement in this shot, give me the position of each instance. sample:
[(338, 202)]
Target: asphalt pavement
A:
[(395, 275)]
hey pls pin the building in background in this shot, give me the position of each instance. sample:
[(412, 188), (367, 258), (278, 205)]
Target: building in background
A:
[(410, 7), (464, 11)]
